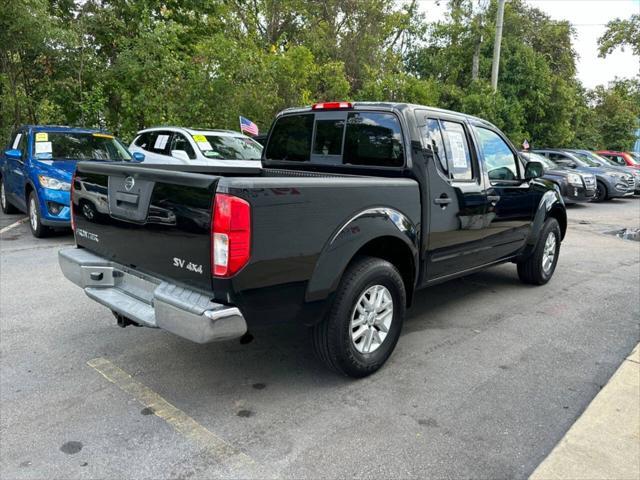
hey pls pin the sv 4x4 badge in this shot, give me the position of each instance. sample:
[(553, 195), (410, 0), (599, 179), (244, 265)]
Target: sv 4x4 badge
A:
[(192, 267)]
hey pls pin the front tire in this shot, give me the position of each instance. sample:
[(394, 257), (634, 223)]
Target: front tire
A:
[(364, 323), (538, 268), (602, 193), (4, 201), (35, 218)]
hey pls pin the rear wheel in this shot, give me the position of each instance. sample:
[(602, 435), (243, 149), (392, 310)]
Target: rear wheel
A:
[(539, 267), (364, 323), (601, 192), (35, 218), (4, 202)]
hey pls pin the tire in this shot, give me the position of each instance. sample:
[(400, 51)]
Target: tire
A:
[(602, 194), (334, 338), (35, 218), (4, 201), (536, 270)]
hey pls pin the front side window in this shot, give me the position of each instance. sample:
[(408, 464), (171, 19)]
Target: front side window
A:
[(78, 146), (500, 161)]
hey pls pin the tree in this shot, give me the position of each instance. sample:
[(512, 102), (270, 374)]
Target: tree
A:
[(621, 34)]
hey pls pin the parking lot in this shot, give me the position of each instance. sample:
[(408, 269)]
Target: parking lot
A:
[(488, 375)]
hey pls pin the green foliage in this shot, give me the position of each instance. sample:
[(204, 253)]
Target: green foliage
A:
[(124, 65), (621, 34)]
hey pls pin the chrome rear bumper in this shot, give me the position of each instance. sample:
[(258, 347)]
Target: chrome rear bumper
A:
[(150, 301)]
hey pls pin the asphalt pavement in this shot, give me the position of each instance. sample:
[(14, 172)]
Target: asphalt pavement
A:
[(487, 377)]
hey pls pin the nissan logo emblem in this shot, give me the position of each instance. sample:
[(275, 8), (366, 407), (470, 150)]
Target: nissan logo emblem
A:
[(129, 183)]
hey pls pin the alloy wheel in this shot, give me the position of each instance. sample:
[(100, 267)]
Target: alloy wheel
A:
[(371, 319), (549, 252)]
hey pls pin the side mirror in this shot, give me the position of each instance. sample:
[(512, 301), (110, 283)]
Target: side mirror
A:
[(138, 156), (533, 170), (572, 165), (180, 155), (14, 153)]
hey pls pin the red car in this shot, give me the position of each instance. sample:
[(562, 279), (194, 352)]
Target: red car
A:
[(621, 158)]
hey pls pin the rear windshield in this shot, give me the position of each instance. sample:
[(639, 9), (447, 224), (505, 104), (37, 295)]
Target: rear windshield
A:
[(338, 138), (78, 146)]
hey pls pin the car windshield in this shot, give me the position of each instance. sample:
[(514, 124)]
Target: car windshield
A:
[(78, 146), (597, 159), (228, 147), (584, 161), (528, 156)]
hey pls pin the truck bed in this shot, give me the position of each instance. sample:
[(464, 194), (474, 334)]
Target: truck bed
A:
[(167, 233)]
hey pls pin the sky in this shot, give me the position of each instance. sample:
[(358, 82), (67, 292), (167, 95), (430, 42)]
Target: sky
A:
[(588, 18)]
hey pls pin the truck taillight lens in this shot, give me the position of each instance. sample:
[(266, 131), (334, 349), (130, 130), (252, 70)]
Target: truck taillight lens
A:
[(73, 219), (230, 235)]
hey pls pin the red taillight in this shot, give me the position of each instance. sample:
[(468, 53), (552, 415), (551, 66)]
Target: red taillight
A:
[(230, 235), (73, 220), (331, 105)]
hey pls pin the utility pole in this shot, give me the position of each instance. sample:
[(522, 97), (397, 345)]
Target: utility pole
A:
[(495, 67)]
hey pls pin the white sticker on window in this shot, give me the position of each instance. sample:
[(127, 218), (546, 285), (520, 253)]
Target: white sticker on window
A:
[(204, 146), (456, 142), (16, 142), (43, 147), (161, 142)]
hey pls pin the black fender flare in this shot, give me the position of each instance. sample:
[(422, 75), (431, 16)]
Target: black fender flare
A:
[(348, 239), (550, 205)]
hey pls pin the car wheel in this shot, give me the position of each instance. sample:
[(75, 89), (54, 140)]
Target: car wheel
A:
[(538, 268), (364, 323), (4, 201), (601, 192), (35, 219)]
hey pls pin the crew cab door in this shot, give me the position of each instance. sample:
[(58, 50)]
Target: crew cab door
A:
[(511, 199), (455, 202)]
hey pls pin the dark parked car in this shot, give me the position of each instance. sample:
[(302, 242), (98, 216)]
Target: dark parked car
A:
[(575, 187), (357, 207), (610, 183)]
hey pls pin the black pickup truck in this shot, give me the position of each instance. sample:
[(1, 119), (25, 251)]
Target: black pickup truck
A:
[(357, 206)]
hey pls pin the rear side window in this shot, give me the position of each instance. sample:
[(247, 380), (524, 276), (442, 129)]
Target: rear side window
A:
[(349, 138), (450, 148), (457, 148), (180, 142)]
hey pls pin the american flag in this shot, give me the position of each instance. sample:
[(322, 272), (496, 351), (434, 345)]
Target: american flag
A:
[(248, 126)]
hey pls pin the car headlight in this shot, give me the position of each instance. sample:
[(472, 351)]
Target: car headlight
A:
[(575, 179), (53, 184)]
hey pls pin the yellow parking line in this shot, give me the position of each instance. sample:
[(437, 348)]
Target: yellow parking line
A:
[(222, 452)]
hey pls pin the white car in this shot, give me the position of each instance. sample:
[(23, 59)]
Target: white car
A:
[(177, 145)]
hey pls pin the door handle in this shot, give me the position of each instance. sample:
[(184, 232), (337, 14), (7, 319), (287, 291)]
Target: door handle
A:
[(493, 199), (443, 201)]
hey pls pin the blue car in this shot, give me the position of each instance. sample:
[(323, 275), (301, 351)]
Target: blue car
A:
[(37, 167)]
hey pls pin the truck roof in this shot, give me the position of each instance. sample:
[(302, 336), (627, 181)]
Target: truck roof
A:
[(400, 106)]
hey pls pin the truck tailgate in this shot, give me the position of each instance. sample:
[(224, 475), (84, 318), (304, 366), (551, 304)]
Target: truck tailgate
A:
[(152, 220)]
